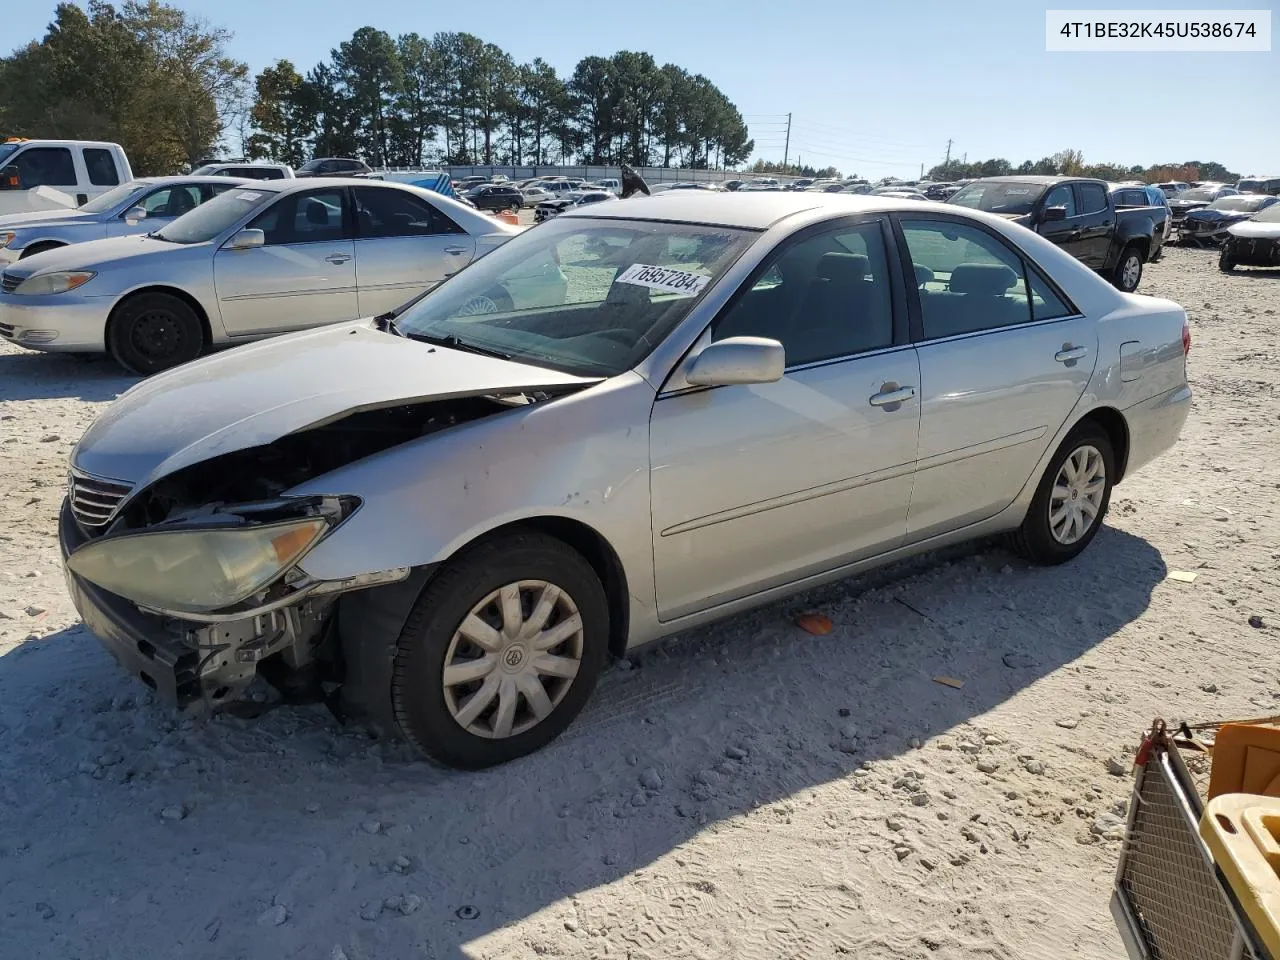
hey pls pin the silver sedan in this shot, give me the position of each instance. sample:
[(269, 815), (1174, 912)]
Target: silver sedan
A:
[(460, 516), (262, 259), (139, 206)]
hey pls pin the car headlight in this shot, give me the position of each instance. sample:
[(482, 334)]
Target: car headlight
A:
[(42, 284), (6, 238), (196, 571)]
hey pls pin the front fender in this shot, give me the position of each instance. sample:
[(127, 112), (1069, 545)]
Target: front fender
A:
[(583, 457)]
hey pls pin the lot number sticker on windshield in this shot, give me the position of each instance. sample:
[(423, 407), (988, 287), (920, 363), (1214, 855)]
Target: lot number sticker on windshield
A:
[(679, 282)]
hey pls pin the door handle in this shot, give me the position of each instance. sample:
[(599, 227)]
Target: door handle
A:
[(337, 258), (1069, 354), (455, 250), (892, 395)]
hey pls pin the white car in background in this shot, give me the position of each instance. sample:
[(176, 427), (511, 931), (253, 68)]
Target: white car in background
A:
[(139, 206), (535, 194), (269, 258)]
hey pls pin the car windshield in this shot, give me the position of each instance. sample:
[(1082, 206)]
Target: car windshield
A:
[(6, 151), (210, 219), (1199, 193), (1239, 204), (1003, 197), (108, 200), (586, 296)]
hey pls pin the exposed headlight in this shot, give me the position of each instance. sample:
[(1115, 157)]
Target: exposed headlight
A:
[(45, 283), (196, 571), (6, 238)]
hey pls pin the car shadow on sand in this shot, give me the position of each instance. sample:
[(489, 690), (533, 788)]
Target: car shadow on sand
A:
[(202, 828), (46, 376)]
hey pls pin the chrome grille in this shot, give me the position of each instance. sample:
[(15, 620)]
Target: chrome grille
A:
[(1180, 911), (9, 282), (94, 501)]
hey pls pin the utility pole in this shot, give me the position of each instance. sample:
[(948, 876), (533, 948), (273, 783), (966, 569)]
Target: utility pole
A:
[(786, 149), (947, 161)]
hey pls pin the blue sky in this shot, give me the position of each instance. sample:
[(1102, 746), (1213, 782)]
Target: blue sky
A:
[(873, 89)]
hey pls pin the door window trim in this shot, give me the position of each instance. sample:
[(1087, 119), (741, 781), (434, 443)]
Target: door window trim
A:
[(916, 313), (897, 301)]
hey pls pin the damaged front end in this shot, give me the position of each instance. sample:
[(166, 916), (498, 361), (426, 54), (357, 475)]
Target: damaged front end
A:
[(194, 582)]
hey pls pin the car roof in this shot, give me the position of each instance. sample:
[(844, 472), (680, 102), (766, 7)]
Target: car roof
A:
[(750, 211), (1028, 178)]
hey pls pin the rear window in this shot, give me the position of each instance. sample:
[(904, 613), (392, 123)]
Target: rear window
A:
[(101, 166)]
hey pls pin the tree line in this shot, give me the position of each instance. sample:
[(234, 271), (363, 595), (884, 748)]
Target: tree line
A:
[(455, 99), (1072, 163), (161, 83)]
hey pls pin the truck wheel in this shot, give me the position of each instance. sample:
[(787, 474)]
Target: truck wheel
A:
[(1128, 272), (500, 652), (151, 332), (1225, 263)]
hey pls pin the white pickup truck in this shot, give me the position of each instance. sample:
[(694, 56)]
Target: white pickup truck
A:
[(58, 174)]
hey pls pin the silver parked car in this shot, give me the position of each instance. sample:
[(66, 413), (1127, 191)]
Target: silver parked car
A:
[(258, 260), (138, 206), (459, 516)]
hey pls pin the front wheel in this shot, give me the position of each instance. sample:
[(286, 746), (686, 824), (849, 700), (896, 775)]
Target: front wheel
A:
[(1071, 500), (151, 332), (1225, 263), (1128, 272), (500, 652)]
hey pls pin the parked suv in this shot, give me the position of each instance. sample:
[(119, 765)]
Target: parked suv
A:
[(333, 167), (250, 171), (495, 196)]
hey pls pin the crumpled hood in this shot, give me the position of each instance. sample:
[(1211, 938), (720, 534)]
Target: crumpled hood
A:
[(93, 255), (257, 393), (1256, 229)]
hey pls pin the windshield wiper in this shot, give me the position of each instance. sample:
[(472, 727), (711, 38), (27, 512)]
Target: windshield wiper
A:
[(454, 343)]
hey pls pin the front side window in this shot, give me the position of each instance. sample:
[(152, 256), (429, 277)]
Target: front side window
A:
[(172, 201), (1093, 198), (977, 282), (101, 167), (387, 212), (590, 297), (314, 217), (46, 167), (824, 297), (1061, 196)]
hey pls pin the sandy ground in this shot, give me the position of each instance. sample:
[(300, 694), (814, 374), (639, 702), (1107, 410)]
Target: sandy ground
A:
[(749, 791)]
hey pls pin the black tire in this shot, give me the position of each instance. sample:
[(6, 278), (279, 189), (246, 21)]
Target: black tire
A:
[(1225, 263), (1130, 255), (417, 685), (1035, 540), (150, 332), (515, 207), (35, 248)]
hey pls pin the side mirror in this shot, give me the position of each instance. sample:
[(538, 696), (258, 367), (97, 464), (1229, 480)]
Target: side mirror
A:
[(247, 240), (134, 214), (1052, 214), (10, 179), (738, 360)]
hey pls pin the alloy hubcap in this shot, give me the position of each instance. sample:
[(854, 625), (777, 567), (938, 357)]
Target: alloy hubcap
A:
[(1132, 269), (1076, 499), (512, 659)]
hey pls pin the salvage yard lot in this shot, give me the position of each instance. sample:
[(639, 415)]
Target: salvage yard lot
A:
[(747, 791)]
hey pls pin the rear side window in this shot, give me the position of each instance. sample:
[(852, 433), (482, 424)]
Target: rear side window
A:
[(386, 212), (1045, 304), (101, 166), (1093, 199), (46, 167), (970, 281)]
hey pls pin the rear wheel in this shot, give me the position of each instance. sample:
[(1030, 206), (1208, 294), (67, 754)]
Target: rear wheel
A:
[(1128, 271), (500, 652), (151, 332), (1071, 500)]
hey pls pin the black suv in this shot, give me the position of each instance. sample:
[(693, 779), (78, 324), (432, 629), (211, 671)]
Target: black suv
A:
[(495, 196), (333, 167)]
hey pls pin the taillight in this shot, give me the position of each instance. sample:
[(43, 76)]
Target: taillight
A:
[(1186, 337)]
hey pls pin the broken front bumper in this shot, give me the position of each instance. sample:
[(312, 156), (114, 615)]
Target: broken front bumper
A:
[(189, 664)]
